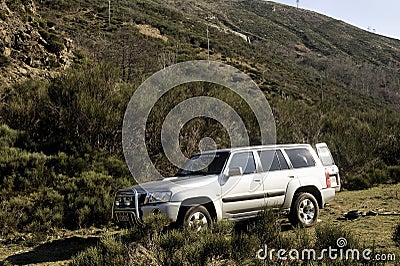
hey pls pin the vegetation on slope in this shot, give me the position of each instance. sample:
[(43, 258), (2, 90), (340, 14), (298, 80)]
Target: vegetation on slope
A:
[(61, 157)]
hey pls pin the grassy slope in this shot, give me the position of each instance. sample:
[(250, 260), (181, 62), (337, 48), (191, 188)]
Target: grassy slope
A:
[(372, 230), (290, 48)]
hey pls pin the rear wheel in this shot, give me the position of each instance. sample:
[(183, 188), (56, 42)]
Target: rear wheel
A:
[(304, 210), (197, 218)]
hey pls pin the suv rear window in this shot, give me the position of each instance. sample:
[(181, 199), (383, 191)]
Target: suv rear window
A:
[(325, 156), (300, 157)]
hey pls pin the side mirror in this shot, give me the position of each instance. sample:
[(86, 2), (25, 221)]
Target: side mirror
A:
[(235, 171)]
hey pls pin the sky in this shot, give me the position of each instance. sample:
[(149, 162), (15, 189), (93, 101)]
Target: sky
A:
[(379, 16)]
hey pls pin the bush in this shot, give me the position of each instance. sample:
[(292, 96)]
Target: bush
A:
[(396, 235), (76, 112), (266, 226), (88, 199), (110, 251), (41, 193), (91, 256), (378, 175), (327, 235), (394, 173), (4, 60), (358, 182)]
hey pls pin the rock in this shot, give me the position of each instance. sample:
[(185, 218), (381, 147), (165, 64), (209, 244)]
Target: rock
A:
[(7, 51)]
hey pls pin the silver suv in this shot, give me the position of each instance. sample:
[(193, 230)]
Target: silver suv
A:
[(236, 184)]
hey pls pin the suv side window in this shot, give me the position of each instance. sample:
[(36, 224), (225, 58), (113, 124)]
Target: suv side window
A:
[(300, 157), (266, 157), (276, 156), (282, 160), (244, 160)]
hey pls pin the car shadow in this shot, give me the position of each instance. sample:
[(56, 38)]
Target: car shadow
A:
[(57, 250), (243, 226)]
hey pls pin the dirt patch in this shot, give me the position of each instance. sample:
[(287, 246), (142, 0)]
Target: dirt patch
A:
[(60, 251), (151, 31)]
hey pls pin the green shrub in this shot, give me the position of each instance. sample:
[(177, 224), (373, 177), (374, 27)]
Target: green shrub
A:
[(88, 199), (4, 60), (358, 182), (394, 173), (243, 246), (91, 256), (266, 226), (220, 246), (8, 136), (110, 251), (154, 225), (335, 237), (55, 44), (172, 240), (327, 235), (41, 193), (378, 175), (396, 235)]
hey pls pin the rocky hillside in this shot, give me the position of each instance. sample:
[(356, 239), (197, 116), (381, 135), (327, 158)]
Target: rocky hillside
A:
[(29, 47), (294, 55), (286, 50)]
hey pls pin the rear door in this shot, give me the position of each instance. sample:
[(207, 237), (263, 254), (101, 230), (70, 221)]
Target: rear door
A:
[(331, 169), (276, 176)]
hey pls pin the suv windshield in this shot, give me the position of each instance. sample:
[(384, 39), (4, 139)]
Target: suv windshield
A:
[(204, 164)]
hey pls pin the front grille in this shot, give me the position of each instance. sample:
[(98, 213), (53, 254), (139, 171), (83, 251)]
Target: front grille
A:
[(128, 200)]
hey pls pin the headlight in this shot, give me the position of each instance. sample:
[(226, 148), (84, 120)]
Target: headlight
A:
[(118, 201), (161, 196)]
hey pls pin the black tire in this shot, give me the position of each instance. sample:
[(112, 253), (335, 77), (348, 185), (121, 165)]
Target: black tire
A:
[(198, 218), (304, 210)]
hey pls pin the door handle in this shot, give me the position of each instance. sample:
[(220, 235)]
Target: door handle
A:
[(257, 180), (291, 176)]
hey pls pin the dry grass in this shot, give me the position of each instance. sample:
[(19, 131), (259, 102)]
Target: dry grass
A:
[(151, 31), (372, 231)]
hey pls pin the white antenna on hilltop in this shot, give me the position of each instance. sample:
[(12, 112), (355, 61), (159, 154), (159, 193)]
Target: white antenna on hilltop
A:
[(297, 1), (208, 45), (109, 12)]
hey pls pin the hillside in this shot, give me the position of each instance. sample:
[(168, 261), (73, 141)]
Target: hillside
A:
[(290, 49), (283, 39), (303, 61), (29, 46), (67, 74)]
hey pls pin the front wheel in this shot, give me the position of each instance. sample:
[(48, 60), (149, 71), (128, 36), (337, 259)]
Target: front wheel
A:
[(197, 218), (304, 210)]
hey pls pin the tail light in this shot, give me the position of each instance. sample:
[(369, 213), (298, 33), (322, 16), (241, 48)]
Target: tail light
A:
[(328, 179)]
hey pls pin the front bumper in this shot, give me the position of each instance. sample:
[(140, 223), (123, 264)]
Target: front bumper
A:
[(136, 216)]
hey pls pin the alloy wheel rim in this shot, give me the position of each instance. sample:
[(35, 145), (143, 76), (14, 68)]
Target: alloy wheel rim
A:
[(198, 221), (307, 211)]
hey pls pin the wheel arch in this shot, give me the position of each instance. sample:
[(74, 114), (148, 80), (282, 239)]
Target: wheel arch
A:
[(313, 191), (204, 201)]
